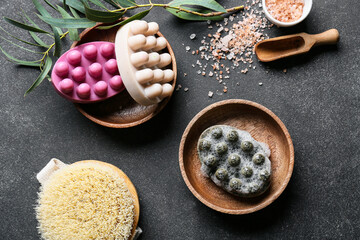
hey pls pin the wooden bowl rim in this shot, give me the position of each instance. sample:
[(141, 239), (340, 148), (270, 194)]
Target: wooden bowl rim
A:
[(130, 186), (161, 104), (275, 195)]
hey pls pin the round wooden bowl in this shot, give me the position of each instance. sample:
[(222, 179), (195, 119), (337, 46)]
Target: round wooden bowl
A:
[(130, 186), (120, 111), (264, 126)]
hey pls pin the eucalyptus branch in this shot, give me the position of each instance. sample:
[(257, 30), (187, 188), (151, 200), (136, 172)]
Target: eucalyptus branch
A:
[(77, 15), (46, 53), (179, 9)]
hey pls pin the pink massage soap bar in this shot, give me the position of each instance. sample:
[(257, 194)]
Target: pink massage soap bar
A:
[(88, 73)]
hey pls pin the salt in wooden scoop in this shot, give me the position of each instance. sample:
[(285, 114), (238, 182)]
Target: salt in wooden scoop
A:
[(285, 46)]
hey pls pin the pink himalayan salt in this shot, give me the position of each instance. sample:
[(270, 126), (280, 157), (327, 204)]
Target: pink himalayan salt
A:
[(285, 10)]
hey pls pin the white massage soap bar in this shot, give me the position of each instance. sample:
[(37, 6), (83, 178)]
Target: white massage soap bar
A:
[(142, 68)]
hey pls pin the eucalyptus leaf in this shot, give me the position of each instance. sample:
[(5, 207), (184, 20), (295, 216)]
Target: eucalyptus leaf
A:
[(26, 42), (74, 35), (65, 5), (17, 45), (45, 13), (57, 50), (111, 2), (69, 22), (101, 16), (20, 62), (33, 35), (38, 40), (193, 17), (50, 4), (125, 3), (42, 76), (74, 13), (139, 15), (98, 3), (24, 26), (76, 4), (210, 4)]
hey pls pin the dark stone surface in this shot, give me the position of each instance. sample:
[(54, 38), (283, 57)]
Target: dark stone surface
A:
[(318, 99)]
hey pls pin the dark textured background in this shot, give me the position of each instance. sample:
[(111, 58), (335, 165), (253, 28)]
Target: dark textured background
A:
[(318, 99)]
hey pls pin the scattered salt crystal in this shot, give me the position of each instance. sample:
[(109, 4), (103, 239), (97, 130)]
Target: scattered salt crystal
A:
[(260, 83), (178, 87), (211, 94), (233, 43), (230, 56), (208, 22), (192, 36), (186, 89), (187, 48)]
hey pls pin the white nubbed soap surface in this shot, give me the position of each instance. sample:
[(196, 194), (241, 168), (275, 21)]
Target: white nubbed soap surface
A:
[(85, 201), (141, 66)]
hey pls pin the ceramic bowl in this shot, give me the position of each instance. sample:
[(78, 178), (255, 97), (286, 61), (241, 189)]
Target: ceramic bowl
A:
[(306, 11), (264, 126), (120, 111)]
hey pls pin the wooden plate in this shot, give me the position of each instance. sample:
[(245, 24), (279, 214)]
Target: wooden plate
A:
[(264, 126), (130, 186), (120, 111)]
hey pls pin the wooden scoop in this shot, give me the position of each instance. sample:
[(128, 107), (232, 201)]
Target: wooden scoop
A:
[(285, 46)]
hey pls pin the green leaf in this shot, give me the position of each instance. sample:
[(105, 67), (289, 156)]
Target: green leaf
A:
[(139, 15), (42, 76), (24, 26), (101, 16), (20, 62), (26, 42), (98, 3), (74, 13), (26, 49), (38, 40), (33, 35), (125, 3), (69, 22), (57, 50), (210, 4), (44, 13), (193, 17), (111, 2), (65, 5), (74, 35), (76, 4), (50, 4), (40, 8)]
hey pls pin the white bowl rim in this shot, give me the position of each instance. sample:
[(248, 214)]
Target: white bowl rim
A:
[(288, 24)]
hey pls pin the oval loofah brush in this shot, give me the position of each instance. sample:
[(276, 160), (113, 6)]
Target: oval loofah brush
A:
[(87, 200)]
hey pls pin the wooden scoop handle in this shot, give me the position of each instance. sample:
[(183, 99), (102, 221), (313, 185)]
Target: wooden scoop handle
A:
[(328, 37)]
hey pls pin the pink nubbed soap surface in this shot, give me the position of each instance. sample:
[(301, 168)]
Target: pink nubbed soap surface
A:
[(88, 73)]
